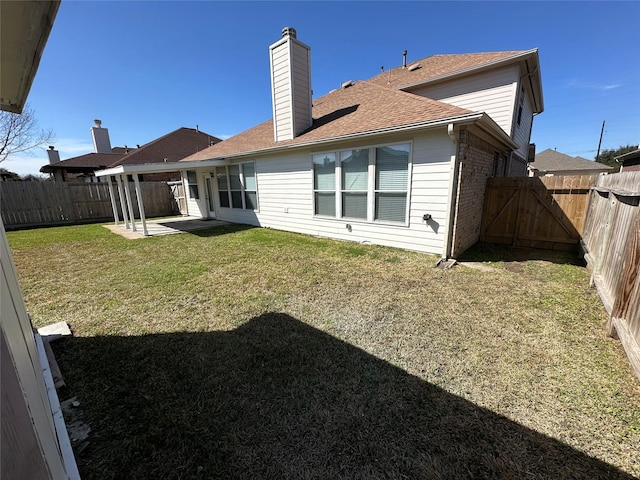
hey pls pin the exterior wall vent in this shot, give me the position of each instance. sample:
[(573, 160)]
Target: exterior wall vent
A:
[(291, 93)]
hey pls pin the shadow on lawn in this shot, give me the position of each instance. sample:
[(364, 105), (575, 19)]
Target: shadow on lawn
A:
[(489, 252), (278, 399)]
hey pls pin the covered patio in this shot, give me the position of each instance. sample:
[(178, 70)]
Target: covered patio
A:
[(118, 177)]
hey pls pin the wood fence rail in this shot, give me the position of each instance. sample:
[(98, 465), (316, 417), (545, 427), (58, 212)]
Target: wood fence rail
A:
[(611, 243), (30, 204)]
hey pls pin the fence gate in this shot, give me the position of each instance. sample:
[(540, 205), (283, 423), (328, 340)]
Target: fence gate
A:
[(536, 212)]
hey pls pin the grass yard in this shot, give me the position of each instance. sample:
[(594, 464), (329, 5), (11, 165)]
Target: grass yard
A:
[(250, 353)]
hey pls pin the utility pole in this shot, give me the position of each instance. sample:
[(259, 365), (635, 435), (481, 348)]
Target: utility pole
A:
[(600, 142)]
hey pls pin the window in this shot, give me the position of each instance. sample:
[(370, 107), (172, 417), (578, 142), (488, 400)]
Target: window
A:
[(521, 107), (355, 183), (192, 181), (369, 184), (237, 186), (324, 184)]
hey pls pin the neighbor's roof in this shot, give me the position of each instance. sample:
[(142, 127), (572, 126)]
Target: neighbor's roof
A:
[(359, 109), (440, 67), (173, 146), (87, 162), (553, 161)]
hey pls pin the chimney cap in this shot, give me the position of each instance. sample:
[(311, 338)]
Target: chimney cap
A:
[(289, 32), (51, 147), (98, 123)]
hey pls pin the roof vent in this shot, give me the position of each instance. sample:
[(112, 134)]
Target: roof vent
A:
[(289, 32), (413, 67), (347, 84)]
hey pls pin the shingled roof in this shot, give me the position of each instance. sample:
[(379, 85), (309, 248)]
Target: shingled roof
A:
[(549, 161), (87, 162), (173, 146), (435, 66), (356, 110)]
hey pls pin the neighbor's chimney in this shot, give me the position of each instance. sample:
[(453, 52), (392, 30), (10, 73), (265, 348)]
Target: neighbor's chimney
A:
[(100, 136), (54, 155), (290, 94)]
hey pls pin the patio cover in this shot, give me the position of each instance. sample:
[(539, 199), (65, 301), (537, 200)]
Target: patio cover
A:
[(121, 172)]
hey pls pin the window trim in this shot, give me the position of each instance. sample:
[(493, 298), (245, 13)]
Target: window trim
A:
[(371, 190)]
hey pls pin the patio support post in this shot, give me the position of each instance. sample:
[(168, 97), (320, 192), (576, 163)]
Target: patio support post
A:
[(125, 213), (114, 206), (127, 194), (136, 182)]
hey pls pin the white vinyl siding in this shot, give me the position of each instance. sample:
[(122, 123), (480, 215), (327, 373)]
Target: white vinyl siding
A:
[(493, 92), (286, 194)]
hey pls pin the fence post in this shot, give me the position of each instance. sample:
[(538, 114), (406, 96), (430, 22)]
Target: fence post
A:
[(606, 238)]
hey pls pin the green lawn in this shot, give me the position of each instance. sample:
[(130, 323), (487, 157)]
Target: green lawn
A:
[(251, 353)]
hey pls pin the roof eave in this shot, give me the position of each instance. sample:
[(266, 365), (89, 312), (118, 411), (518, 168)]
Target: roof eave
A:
[(467, 118), (156, 167)]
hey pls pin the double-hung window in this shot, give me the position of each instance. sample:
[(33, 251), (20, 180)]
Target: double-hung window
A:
[(237, 186), (368, 184), (324, 184)]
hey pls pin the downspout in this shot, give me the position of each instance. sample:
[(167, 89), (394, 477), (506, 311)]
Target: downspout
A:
[(453, 191)]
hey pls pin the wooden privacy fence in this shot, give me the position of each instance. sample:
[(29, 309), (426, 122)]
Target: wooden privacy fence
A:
[(537, 212), (611, 242), (28, 204)]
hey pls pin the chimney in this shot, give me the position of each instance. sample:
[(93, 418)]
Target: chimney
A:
[(54, 155), (100, 136), (290, 93)]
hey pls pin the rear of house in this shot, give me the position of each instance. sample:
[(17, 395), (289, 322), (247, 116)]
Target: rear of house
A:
[(398, 160)]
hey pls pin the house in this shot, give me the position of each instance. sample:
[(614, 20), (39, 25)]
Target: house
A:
[(630, 161), (168, 148), (551, 162), (401, 159), (81, 168)]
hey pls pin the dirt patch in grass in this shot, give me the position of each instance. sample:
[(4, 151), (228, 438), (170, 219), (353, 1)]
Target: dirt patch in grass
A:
[(252, 353)]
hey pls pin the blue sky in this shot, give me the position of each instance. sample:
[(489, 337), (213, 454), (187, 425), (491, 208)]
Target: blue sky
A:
[(147, 68)]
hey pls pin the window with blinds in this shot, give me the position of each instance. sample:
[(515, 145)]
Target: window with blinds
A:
[(324, 184), (237, 186), (368, 184)]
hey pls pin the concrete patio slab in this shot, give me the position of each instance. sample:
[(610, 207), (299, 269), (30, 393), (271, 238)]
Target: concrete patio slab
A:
[(166, 226)]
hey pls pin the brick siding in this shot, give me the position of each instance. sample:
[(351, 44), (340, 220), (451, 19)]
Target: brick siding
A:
[(477, 164)]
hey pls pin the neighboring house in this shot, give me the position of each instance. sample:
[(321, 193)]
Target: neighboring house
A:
[(400, 160), (550, 162), (630, 161), (81, 168), (168, 148)]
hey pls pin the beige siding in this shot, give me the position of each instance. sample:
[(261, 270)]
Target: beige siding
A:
[(285, 198), (29, 442), (281, 85), (493, 92), (522, 132), (291, 88)]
